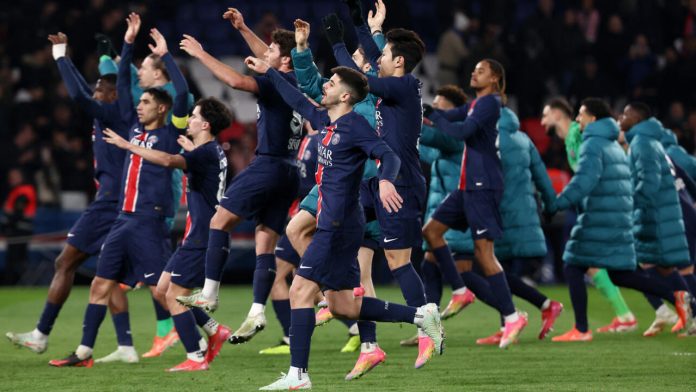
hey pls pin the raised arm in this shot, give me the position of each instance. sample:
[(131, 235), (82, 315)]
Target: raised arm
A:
[(180, 108), (123, 79), (161, 158), (432, 137), (291, 95), (458, 130), (225, 73), (256, 44), (308, 77)]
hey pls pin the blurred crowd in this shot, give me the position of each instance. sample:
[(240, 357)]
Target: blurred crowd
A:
[(621, 50)]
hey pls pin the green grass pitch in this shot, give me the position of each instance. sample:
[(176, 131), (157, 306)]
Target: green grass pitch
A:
[(625, 362)]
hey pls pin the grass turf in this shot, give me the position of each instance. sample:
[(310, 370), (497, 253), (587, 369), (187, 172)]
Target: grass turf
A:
[(611, 362)]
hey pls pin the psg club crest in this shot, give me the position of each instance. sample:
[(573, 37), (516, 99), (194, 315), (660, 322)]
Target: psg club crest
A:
[(335, 139), (307, 155), (152, 139)]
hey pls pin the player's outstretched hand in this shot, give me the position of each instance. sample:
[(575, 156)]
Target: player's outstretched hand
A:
[(257, 65), (333, 28), (235, 17), (57, 39), (160, 46), (185, 143), (391, 200), (191, 46), (112, 137), (301, 33), (376, 19), (133, 21)]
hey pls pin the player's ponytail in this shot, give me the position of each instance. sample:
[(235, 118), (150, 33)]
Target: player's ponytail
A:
[(498, 70)]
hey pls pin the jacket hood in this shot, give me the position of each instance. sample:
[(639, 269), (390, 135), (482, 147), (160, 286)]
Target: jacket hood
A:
[(508, 121), (607, 128)]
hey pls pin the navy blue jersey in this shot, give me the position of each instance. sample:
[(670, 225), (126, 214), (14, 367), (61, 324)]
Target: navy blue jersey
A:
[(146, 187), (206, 171), (307, 164), (108, 159), (481, 168), (398, 120), (342, 149), (278, 127)]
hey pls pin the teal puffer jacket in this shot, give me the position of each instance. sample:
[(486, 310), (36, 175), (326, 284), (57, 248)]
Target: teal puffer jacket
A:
[(602, 187), (522, 170), (678, 154), (657, 218), (445, 155)]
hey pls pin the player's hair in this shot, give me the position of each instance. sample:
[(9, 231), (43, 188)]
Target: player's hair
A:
[(561, 104), (158, 64), (498, 70), (355, 81), (597, 107), (642, 109), (407, 44), (109, 79), (285, 39), (215, 113), (161, 97), (453, 93)]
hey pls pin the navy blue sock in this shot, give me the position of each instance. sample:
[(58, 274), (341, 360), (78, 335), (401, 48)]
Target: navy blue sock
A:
[(185, 325), (160, 312), (480, 287), (374, 309), (676, 281), (449, 270), (200, 316), (216, 254), (301, 329), (654, 301), (264, 275), (501, 292), (691, 282), (122, 327), (368, 331), (94, 315), (411, 285), (48, 317), (282, 311), (638, 281), (432, 282), (575, 276), (525, 291)]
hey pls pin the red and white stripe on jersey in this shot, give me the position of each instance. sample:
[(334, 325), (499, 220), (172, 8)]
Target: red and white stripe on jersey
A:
[(320, 168), (302, 149), (187, 228), (462, 172), (135, 164)]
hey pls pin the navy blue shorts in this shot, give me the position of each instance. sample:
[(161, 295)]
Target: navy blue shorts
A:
[(401, 229), (187, 267), (135, 245), (90, 230), (263, 192), (477, 210), (286, 252), (331, 260)]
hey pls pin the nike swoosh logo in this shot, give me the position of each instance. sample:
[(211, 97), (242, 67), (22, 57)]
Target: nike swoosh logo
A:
[(305, 267), (297, 387), (173, 274), (71, 235), (279, 249), (390, 239), (225, 197), (479, 232), (149, 275)]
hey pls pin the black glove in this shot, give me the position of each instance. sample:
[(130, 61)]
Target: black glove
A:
[(427, 110), (356, 14), (333, 28), (104, 46)]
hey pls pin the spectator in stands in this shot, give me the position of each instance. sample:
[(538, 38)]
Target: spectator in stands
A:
[(19, 209)]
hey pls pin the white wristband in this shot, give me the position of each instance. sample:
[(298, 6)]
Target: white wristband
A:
[(59, 50)]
